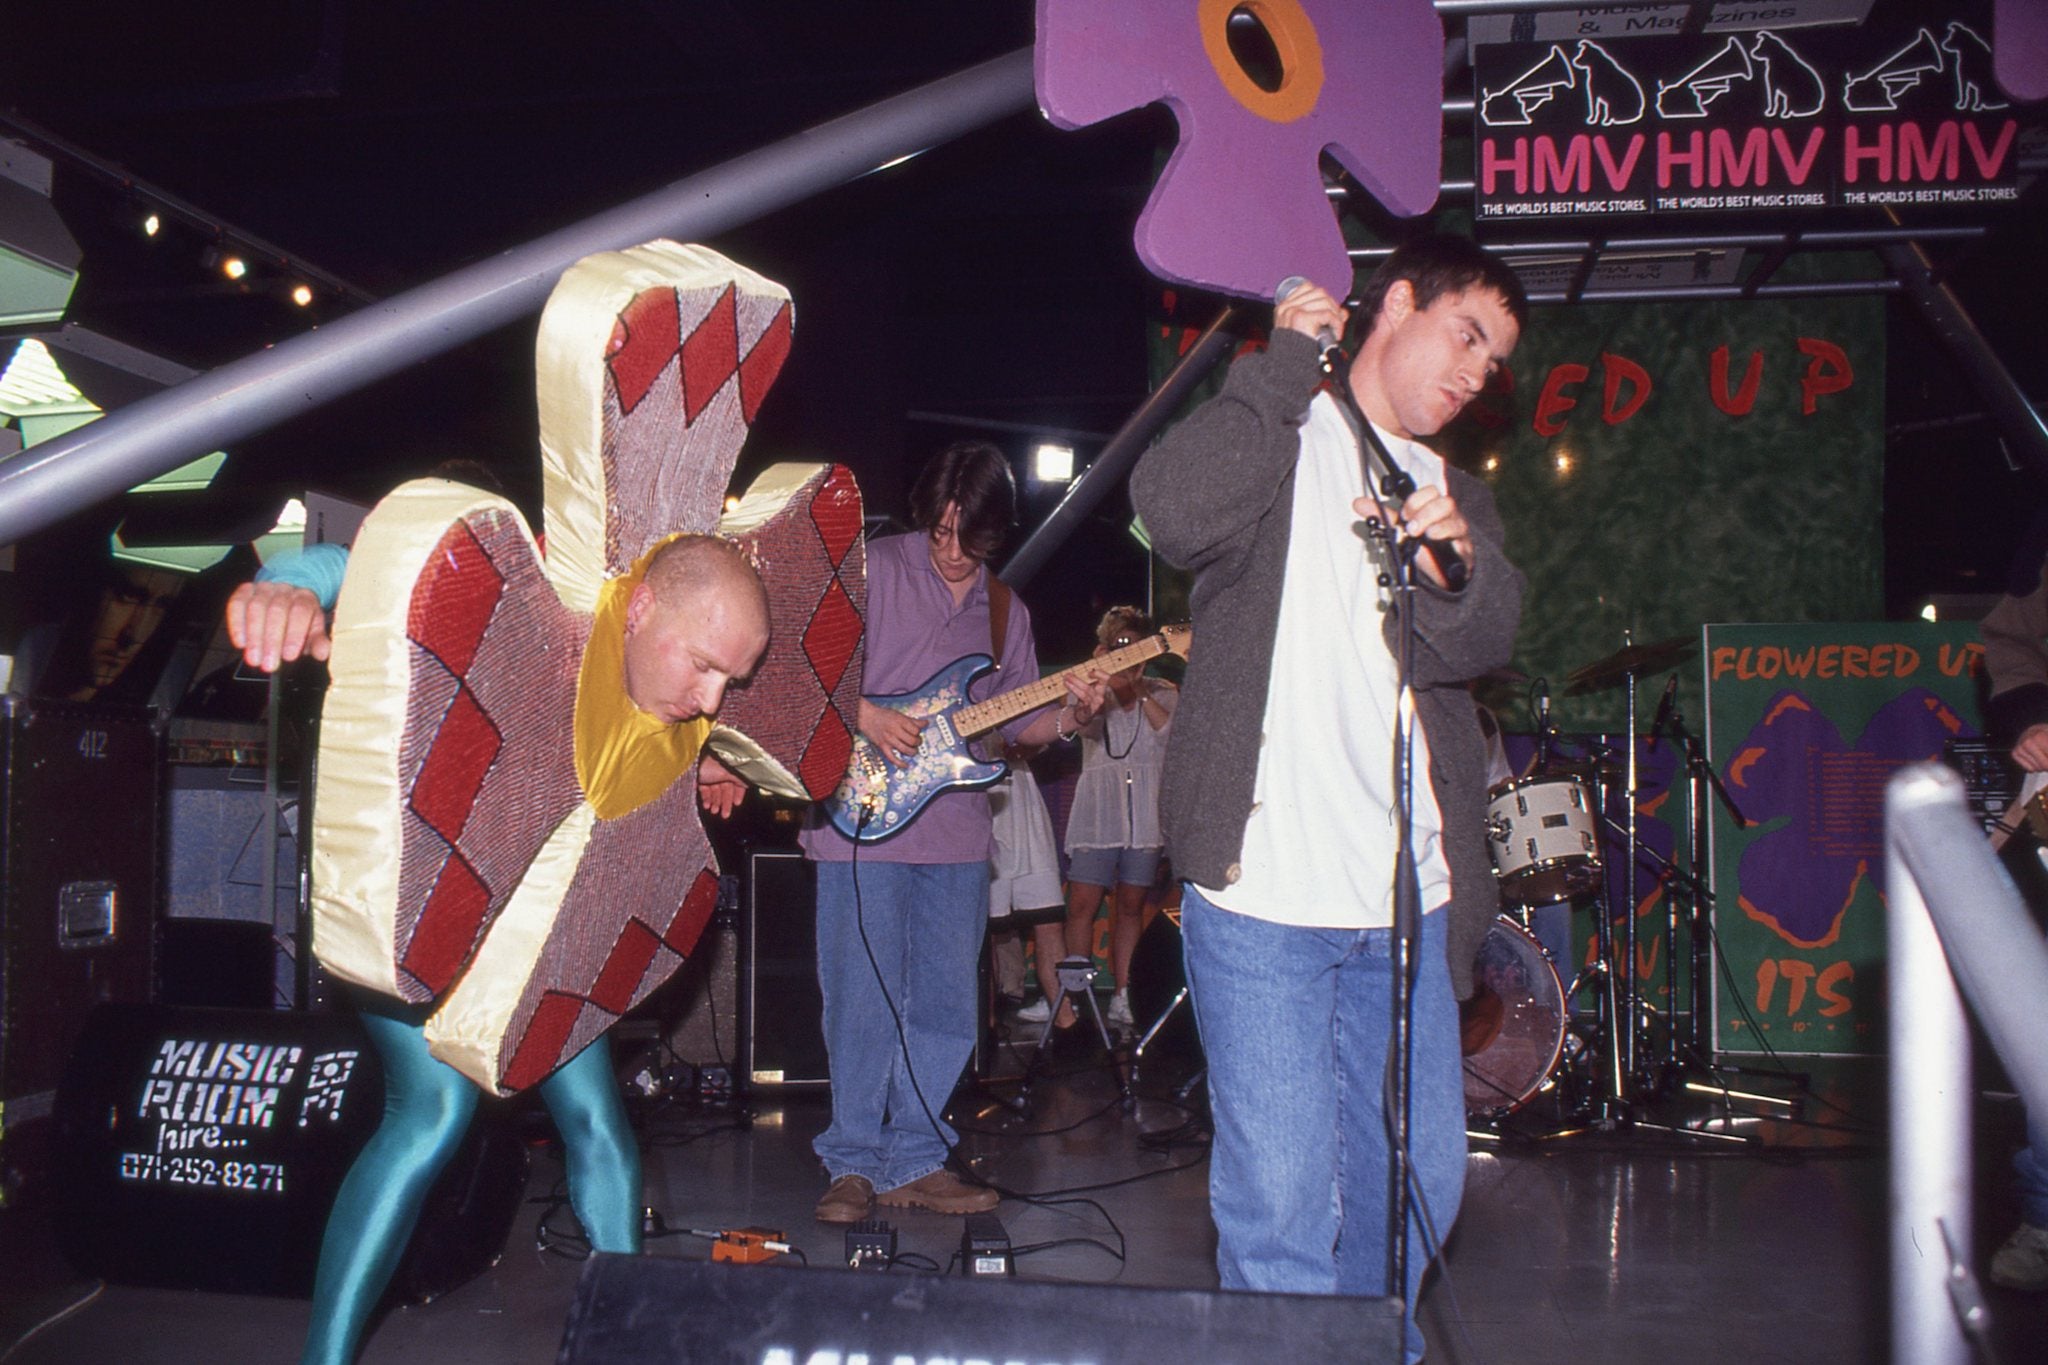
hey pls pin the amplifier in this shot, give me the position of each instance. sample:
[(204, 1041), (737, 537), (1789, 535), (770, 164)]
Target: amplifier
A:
[(202, 1149), (78, 883), (630, 1309), (1991, 780), (782, 1039)]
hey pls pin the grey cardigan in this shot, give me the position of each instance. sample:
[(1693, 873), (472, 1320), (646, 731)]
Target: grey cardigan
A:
[(1216, 495)]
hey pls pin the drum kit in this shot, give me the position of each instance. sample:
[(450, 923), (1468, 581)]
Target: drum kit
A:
[(1599, 1043)]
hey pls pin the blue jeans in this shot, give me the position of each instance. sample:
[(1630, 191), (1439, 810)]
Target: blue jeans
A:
[(1294, 1025), (924, 923), (2032, 1170)]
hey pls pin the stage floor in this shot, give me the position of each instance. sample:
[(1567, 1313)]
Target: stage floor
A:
[(1628, 1244)]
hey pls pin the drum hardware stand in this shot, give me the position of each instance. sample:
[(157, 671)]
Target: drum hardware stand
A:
[(1077, 982), (1622, 1019), (1701, 780)]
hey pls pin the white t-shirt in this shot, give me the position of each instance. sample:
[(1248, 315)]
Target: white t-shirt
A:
[(1320, 844)]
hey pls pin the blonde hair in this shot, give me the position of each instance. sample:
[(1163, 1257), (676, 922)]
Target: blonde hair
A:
[(1122, 621)]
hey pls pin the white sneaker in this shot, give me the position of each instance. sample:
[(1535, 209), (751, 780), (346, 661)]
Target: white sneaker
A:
[(1037, 1012), (2022, 1263), (1120, 1009)]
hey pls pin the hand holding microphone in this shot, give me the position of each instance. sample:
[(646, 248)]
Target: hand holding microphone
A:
[(1302, 306)]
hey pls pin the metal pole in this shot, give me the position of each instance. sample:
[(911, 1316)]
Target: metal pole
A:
[(1122, 452), (52, 480), (1929, 1099), (1944, 312)]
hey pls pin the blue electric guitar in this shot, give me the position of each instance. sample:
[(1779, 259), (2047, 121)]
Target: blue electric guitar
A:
[(877, 799)]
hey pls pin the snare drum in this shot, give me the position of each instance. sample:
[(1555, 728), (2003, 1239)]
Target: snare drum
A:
[(1544, 840), (1512, 1029)]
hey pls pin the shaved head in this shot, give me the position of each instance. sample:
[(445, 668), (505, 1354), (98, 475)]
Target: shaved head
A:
[(697, 621)]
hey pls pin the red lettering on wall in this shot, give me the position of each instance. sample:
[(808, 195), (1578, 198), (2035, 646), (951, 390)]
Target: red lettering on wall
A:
[(1833, 976), (1619, 370), (1827, 371), (1743, 399), (1553, 403)]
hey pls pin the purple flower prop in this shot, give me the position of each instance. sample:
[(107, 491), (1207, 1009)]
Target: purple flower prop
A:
[(1240, 205)]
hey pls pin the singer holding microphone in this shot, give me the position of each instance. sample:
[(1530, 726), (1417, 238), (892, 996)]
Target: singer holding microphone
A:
[(1279, 784)]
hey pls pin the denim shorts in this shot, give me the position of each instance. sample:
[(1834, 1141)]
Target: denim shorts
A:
[(1113, 866)]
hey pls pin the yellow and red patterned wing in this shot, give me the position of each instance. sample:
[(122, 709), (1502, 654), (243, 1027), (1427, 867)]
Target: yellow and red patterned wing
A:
[(444, 763), (790, 729)]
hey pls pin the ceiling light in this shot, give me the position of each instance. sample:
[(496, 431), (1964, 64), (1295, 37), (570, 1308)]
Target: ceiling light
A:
[(234, 267), (302, 294), (1052, 463), (152, 225)]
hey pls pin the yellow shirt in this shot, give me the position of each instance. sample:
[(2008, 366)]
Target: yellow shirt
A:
[(625, 757)]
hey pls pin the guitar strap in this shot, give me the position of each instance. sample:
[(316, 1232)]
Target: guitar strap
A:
[(998, 627), (998, 617)]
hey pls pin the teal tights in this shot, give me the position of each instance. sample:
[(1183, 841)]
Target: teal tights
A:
[(427, 1110)]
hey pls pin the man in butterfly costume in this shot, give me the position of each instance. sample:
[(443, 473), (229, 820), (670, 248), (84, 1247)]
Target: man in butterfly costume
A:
[(507, 855)]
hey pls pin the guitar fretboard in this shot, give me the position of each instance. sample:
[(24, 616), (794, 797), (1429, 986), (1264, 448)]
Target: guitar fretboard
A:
[(984, 716)]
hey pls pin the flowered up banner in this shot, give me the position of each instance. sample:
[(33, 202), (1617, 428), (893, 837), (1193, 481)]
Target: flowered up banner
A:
[(1905, 109), (1806, 724)]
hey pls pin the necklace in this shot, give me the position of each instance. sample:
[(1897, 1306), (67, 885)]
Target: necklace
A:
[(1108, 732)]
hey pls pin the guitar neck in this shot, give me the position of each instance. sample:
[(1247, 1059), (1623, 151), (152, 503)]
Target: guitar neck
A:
[(982, 717)]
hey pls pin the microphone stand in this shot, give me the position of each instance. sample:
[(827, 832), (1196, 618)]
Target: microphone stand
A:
[(1394, 482)]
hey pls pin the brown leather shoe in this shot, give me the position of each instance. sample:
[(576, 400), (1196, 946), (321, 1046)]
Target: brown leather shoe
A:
[(941, 1192), (848, 1201)]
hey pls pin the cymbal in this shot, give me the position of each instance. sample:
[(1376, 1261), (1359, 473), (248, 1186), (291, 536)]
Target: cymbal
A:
[(1590, 768), (1651, 658)]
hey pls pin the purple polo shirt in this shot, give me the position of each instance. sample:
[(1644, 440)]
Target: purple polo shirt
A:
[(913, 630)]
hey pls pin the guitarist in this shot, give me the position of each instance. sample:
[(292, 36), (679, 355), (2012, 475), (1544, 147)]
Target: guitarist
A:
[(900, 921)]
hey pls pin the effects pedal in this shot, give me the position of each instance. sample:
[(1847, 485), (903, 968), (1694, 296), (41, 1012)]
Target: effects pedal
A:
[(870, 1245), (985, 1247)]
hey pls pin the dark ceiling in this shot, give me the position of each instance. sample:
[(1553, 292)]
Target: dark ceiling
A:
[(992, 278)]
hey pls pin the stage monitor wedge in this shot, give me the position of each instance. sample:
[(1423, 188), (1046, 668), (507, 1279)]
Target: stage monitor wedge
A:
[(630, 1309)]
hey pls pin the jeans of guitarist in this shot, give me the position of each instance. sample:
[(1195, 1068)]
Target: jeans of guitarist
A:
[(900, 920)]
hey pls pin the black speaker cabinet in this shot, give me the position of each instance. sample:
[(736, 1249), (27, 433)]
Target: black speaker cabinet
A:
[(78, 883), (782, 1039), (202, 1149), (630, 1309)]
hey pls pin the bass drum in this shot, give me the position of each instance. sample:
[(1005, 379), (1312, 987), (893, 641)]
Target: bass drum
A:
[(1512, 1029)]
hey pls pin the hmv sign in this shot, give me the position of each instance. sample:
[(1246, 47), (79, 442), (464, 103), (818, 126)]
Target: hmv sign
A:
[(1759, 121)]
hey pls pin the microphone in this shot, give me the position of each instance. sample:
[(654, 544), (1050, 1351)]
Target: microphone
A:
[(1398, 484), (1542, 725), (1664, 706), (1326, 340)]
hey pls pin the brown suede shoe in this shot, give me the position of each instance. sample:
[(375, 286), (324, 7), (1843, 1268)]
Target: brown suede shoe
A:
[(848, 1201), (941, 1192)]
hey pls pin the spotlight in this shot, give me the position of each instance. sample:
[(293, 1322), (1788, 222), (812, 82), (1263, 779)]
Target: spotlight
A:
[(1930, 612), (302, 294), (1052, 463), (234, 267), (151, 225)]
